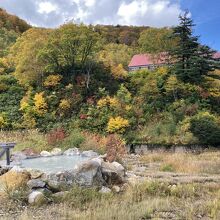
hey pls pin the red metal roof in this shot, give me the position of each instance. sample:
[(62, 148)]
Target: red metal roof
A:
[(147, 59), (216, 55)]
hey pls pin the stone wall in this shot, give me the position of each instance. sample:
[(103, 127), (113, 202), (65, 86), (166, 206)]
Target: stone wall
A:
[(151, 148)]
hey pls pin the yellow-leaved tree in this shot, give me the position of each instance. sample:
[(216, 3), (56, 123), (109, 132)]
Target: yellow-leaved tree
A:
[(29, 69), (40, 105), (119, 72)]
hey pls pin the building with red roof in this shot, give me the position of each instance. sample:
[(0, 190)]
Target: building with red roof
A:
[(151, 62), (148, 61), (216, 55)]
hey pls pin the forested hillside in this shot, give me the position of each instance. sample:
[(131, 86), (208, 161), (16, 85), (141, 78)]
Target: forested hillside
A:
[(10, 28), (75, 78)]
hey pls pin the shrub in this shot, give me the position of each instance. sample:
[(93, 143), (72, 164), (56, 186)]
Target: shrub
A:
[(28, 121), (117, 124), (115, 147), (64, 105), (94, 142), (206, 128), (56, 136), (3, 122), (167, 168), (74, 139), (52, 80), (102, 102)]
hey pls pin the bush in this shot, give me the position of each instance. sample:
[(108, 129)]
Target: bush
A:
[(167, 168), (75, 139), (94, 142), (115, 147), (56, 136), (52, 80), (117, 125), (206, 128)]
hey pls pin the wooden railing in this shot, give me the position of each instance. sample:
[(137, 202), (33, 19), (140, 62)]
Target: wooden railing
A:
[(6, 147)]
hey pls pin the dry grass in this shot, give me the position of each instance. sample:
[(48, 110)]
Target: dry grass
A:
[(149, 200), (25, 139), (207, 162)]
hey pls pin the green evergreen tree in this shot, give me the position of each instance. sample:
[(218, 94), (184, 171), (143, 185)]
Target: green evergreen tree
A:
[(192, 61)]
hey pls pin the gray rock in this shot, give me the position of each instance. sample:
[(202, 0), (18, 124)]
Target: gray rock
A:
[(35, 183), (59, 181), (98, 160), (89, 174), (36, 198), (56, 152), (105, 190), (89, 153), (72, 152), (45, 154), (113, 173), (103, 157), (35, 174)]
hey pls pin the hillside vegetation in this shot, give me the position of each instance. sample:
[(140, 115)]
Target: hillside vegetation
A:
[(11, 27), (75, 77)]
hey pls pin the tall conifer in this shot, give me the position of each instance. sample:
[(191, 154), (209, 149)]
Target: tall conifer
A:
[(192, 61)]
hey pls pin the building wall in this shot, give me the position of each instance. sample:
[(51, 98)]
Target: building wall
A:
[(149, 67)]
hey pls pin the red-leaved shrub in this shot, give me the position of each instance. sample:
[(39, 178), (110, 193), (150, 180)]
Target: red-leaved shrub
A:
[(115, 148)]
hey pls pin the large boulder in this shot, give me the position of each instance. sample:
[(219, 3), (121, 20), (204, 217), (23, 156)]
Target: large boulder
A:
[(36, 183), (36, 198), (56, 152), (58, 181), (113, 173), (72, 152), (89, 153), (89, 174), (14, 179)]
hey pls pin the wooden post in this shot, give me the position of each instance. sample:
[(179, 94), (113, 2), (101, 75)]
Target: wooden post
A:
[(8, 156), (6, 148)]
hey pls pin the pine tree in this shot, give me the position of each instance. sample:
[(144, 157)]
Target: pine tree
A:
[(192, 61)]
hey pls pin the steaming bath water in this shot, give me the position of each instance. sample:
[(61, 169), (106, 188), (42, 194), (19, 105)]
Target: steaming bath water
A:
[(53, 164)]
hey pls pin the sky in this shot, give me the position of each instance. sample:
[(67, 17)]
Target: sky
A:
[(155, 13)]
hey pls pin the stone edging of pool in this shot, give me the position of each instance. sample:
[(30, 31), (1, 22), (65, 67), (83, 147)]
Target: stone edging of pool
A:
[(95, 171)]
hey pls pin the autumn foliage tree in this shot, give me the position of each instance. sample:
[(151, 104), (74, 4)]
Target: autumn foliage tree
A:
[(156, 40), (29, 70)]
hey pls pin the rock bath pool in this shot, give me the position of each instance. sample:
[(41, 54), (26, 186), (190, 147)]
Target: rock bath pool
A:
[(53, 164)]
